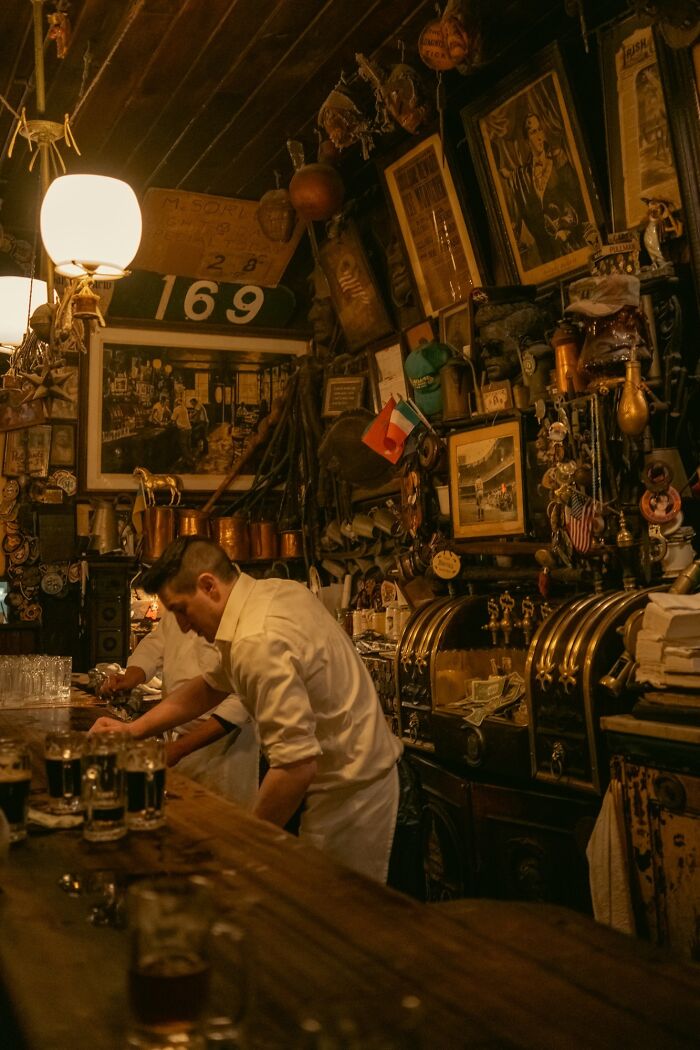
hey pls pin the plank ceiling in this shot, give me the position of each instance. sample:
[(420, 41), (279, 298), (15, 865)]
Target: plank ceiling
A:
[(195, 94)]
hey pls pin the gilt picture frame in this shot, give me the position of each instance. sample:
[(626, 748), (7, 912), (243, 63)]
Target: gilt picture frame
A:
[(486, 481), (640, 153), (143, 386), (534, 172), (440, 247)]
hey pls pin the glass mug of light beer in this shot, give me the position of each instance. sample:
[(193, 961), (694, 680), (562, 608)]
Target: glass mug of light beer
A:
[(15, 778), (62, 753), (175, 936), (103, 791), (144, 765)]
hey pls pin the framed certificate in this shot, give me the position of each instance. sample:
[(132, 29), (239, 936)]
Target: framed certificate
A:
[(438, 243)]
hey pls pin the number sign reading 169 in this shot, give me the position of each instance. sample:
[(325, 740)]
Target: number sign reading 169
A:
[(199, 302), (150, 296)]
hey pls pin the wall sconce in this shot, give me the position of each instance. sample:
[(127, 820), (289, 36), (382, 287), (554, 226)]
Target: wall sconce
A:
[(19, 297)]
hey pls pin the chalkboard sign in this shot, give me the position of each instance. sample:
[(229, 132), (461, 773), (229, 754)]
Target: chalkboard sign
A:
[(214, 238), (342, 393), (165, 297)]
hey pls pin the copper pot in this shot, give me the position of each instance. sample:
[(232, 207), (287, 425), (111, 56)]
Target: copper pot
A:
[(158, 531), (192, 522), (291, 544), (263, 539), (232, 534)]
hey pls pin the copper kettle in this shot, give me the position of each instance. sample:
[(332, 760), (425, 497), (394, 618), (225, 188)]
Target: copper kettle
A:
[(263, 539), (291, 543), (158, 531), (232, 534), (192, 522)]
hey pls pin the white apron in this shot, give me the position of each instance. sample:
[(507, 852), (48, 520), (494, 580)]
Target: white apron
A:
[(229, 766), (355, 826)]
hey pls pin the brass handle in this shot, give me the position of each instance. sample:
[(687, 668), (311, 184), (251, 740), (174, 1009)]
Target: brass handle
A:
[(557, 760), (619, 674)]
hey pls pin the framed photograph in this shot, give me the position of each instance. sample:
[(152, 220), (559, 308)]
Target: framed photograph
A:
[(640, 153), (176, 401), (27, 452), (62, 445), (456, 329), (64, 405), (38, 446), (341, 394), (486, 481), (418, 334), (439, 246), (680, 75), (355, 296), (387, 373), (496, 397), (534, 173)]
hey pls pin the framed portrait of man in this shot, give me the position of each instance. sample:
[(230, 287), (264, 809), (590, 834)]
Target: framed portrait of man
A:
[(534, 172)]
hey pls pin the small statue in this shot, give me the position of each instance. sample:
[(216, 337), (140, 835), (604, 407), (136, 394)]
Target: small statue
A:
[(660, 226)]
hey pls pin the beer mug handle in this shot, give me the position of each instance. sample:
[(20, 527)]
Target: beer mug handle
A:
[(92, 774), (234, 945), (150, 801), (67, 785)]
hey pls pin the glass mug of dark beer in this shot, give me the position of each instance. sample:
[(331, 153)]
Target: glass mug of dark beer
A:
[(175, 935), (62, 753), (103, 790), (144, 765), (15, 778)]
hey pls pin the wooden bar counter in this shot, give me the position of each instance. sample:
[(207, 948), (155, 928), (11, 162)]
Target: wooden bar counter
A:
[(322, 943)]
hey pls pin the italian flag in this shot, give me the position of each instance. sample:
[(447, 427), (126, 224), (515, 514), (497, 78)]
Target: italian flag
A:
[(388, 432)]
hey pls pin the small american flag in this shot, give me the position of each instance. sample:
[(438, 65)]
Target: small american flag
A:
[(578, 521)]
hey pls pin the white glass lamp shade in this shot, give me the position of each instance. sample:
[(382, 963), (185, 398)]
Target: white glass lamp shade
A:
[(90, 224), (19, 298)]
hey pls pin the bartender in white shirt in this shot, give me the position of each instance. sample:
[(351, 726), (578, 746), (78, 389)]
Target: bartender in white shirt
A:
[(219, 751), (320, 722)]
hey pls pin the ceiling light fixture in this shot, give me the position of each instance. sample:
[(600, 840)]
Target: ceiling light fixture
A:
[(90, 224), (19, 296)]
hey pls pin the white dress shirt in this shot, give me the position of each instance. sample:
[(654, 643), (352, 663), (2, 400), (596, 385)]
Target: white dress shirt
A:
[(229, 766), (302, 680)]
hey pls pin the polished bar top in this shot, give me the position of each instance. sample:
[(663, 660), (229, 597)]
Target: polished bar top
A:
[(324, 942)]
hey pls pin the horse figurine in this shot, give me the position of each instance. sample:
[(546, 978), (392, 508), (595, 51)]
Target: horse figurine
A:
[(153, 483)]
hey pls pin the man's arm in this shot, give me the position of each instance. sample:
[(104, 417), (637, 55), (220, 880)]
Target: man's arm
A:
[(132, 677), (282, 791), (203, 733), (188, 701)]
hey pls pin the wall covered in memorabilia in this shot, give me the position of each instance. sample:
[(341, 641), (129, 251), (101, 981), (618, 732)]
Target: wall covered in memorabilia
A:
[(445, 374)]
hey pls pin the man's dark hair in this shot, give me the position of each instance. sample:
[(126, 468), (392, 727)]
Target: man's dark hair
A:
[(182, 562)]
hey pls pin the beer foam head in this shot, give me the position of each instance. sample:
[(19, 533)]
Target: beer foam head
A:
[(11, 773)]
